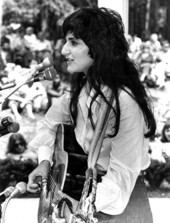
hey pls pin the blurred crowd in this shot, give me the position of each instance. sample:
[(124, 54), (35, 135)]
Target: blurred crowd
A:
[(152, 58), (22, 49)]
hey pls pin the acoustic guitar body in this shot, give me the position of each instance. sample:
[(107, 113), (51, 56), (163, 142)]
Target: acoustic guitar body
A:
[(56, 179)]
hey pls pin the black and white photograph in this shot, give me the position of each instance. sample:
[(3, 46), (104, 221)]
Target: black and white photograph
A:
[(84, 111)]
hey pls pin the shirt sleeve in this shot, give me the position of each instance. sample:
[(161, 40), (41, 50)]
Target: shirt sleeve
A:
[(126, 159), (46, 129)]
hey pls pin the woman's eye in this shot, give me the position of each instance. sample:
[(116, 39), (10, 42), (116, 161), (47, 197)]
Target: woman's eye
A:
[(73, 43)]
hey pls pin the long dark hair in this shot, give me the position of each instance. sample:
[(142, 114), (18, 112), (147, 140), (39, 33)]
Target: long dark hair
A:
[(11, 143), (102, 31)]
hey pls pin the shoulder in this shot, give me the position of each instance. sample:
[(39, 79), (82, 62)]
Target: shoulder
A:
[(126, 97), (60, 105), (129, 108)]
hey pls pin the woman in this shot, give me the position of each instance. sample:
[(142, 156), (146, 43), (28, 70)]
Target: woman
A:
[(165, 136), (97, 55), (17, 145), (165, 139), (17, 149)]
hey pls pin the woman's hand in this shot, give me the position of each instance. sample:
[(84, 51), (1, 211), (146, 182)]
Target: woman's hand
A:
[(35, 177), (66, 212)]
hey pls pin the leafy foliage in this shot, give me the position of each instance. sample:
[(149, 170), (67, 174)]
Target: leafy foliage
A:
[(20, 10), (43, 15), (14, 171)]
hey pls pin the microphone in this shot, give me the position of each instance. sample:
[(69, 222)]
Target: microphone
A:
[(48, 74), (12, 128), (20, 188), (47, 62), (6, 121), (6, 193)]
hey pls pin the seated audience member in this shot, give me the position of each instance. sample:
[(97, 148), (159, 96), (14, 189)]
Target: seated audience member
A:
[(144, 60), (30, 38), (165, 58), (6, 51), (43, 47), (21, 54), (165, 139), (38, 92), (2, 72), (18, 161), (40, 100), (161, 110), (135, 44), (156, 77), (17, 148), (159, 169), (56, 90), (21, 100), (154, 43), (30, 97)]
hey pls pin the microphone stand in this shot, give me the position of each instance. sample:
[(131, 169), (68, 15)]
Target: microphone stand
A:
[(4, 209), (47, 62), (16, 88), (33, 79), (0, 212), (1, 201)]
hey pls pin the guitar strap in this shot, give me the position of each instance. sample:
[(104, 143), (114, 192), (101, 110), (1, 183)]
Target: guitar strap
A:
[(86, 205)]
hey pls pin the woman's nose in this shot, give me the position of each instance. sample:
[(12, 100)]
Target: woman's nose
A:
[(65, 50)]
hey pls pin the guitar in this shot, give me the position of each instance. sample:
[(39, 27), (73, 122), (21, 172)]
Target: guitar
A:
[(51, 193), (52, 187)]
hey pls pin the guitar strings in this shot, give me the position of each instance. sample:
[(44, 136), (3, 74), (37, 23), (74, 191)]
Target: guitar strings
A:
[(54, 188)]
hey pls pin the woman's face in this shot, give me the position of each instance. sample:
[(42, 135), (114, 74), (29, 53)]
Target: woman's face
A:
[(167, 134), (19, 146), (77, 55)]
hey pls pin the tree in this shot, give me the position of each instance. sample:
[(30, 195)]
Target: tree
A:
[(52, 13), (45, 15), (149, 16)]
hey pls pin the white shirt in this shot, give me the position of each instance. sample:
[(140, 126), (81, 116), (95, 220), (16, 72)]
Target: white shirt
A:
[(123, 157)]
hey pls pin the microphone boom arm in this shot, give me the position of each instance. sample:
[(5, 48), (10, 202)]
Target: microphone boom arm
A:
[(14, 90), (47, 62)]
